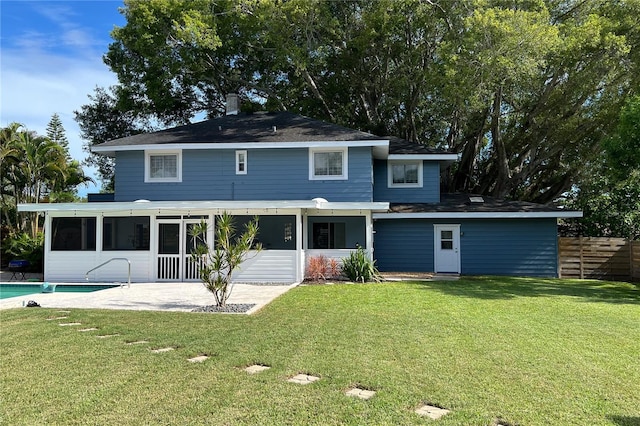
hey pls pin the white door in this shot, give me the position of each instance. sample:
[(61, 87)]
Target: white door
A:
[(175, 243), (447, 248)]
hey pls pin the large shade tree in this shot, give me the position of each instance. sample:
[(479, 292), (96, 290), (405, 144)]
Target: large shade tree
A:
[(525, 90)]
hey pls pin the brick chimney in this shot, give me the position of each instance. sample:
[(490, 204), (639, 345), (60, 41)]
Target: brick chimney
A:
[(233, 104)]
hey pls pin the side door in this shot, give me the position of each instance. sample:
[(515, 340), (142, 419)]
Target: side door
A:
[(447, 248)]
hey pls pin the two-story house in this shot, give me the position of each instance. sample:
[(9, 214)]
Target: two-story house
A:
[(318, 188)]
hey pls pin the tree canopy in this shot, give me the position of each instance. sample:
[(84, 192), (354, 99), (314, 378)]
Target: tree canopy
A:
[(526, 91), (34, 169)]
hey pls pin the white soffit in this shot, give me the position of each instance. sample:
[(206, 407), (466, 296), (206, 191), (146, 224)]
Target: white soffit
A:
[(441, 157)]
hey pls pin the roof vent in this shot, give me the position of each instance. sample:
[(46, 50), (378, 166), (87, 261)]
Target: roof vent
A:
[(233, 104), (476, 200), (275, 129)]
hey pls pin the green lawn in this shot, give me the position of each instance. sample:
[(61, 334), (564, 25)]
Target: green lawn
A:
[(526, 351)]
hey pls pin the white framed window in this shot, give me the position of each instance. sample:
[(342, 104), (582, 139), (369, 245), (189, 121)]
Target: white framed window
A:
[(404, 174), (163, 166), (328, 163), (241, 162)]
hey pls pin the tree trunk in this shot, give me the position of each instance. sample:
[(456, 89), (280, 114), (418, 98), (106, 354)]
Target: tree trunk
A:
[(501, 187)]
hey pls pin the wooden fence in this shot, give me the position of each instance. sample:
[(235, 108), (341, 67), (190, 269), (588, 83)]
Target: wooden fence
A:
[(599, 258)]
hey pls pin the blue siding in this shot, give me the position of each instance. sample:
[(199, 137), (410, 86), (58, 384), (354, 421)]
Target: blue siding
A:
[(403, 245), (429, 193), (521, 247), (272, 174)]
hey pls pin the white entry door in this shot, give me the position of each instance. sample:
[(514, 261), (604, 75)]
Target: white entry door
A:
[(447, 248), (175, 243)]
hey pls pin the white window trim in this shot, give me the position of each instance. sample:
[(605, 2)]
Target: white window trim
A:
[(390, 183), (147, 166), (238, 154), (345, 162)]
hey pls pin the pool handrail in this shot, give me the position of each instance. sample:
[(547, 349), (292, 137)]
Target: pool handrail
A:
[(86, 276)]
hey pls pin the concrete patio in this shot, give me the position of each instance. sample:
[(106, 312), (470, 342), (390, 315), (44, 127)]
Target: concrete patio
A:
[(183, 297)]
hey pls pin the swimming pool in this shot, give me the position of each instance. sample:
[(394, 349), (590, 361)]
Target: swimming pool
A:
[(8, 290)]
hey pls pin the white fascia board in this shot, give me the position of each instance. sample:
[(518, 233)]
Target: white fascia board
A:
[(479, 215), (441, 157), (109, 150), (175, 206), (164, 206)]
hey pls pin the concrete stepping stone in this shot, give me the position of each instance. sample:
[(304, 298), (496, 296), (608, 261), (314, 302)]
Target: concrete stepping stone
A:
[(69, 324), (256, 368), (161, 350), (431, 411), (106, 336), (199, 358), (56, 318), (87, 329), (63, 312), (303, 379), (138, 342), (360, 393)]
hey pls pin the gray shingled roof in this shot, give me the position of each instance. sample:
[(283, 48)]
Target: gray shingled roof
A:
[(403, 147), (461, 203), (256, 127), (259, 127)]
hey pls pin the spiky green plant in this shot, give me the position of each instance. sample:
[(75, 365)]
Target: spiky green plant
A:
[(358, 267), (216, 266)]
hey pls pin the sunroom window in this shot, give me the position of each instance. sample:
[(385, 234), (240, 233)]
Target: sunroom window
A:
[(126, 233), (73, 234)]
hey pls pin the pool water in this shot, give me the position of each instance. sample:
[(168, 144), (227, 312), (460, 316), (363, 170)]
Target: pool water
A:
[(14, 290)]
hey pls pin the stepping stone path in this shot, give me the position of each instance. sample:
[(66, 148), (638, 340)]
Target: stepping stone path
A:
[(256, 368), (303, 379), (157, 351), (432, 412), (360, 393)]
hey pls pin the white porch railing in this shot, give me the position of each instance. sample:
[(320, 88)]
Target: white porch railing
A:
[(169, 267)]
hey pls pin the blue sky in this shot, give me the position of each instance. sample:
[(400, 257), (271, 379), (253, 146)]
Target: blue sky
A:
[(51, 60)]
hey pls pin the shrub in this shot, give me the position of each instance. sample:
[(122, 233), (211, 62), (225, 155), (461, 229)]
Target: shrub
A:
[(317, 267), (23, 246), (321, 268), (359, 268)]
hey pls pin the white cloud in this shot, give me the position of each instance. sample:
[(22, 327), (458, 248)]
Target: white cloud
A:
[(36, 85)]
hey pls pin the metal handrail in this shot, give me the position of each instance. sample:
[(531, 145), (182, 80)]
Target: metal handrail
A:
[(86, 276)]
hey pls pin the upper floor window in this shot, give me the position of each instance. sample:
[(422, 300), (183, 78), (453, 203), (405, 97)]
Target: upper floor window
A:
[(328, 163), (163, 167), (241, 162), (406, 174)]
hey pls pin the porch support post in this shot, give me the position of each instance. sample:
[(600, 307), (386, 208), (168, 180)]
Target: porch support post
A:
[(300, 260), (369, 233), (47, 244)]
